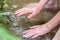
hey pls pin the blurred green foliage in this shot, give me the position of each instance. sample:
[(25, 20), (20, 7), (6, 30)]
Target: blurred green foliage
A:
[(3, 19), (6, 35), (1, 4)]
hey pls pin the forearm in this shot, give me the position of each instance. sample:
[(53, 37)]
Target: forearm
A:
[(54, 21), (41, 4)]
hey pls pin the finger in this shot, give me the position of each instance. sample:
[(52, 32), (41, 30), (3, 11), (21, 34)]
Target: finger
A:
[(36, 35), (20, 10), (26, 31), (24, 12), (32, 15), (29, 34)]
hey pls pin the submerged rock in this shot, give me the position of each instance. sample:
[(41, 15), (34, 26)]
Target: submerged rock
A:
[(17, 25), (17, 30)]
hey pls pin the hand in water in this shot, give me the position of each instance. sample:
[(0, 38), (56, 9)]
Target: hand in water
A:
[(36, 31), (30, 9)]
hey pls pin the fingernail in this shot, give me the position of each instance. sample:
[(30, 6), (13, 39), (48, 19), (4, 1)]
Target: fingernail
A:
[(24, 32), (25, 36), (29, 18)]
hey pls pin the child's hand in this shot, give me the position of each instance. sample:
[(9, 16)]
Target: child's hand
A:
[(36, 31), (30, 9)]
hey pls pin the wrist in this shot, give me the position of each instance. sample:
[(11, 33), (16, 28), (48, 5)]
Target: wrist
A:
[(41, 4), (49, 26), (54, 21)]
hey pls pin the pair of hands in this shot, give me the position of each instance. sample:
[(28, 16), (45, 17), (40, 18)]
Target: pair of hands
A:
[(34, 31)]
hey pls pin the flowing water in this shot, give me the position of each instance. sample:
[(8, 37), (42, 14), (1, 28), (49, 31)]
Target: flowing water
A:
[(17, 25)]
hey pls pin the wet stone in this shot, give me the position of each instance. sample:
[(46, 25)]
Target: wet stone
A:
[(17, 30)]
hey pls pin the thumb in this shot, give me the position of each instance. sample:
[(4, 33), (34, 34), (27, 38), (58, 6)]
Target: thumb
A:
[(32, 15), (36, 12)]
